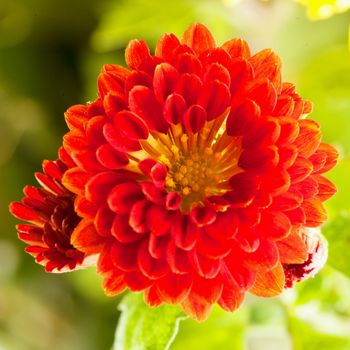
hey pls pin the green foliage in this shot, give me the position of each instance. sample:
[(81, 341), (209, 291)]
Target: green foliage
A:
[(338, 234), (143, 328), (221, 330), (325, 80), (137, 17), (305, 336)]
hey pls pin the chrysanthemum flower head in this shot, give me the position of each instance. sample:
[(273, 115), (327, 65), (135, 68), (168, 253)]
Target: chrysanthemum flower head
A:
[(49, 211), (196, 173)]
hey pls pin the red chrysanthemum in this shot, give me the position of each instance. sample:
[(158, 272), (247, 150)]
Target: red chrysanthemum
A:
[(197, 173), (52, 217)]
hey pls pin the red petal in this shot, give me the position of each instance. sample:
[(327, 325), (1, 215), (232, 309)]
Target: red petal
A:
[(23, 212), (237, 48), (166, 46), (326, 189), (86, 159), (164, 80), (114, 103), (137, 78), (204, 266), (259, 159), (264, 94), (194, 118), (158, 246), (211, 247), (158, 220), (296, 216), (158, 174), (203, 216), (76, 117), (199, 38), (292, 249), (122, 231), (214, 97), (300, 170), (131, 125), (207, 290), (93, 130), (284, 106), (110, 157), (112, 78), (52, 169), (275, 225), (49, 184), (85, 208), (146, 166), (244, 188), (153, 193), (287, 155), (270, 283), (149, 266), (188, 63), (114, 284), (124, 256), (247, 239), (232, 295), (189, 86), (118, 140), (123, 196), (152, 297), (173, 201), (143, 102), (103, 221), (265, 133), (286, 201), (86, 239), (184, 232), (138, 212), (173, 289), (309, 137), (241, 73), (318, 160), (332, 157), (315, 212), (178, 259), (136, 281), (306, 189), (224, 227), (99, 186), (265, 257), (217, 72), (196, 308), (267, 64), (136, 52), (174, 109), (243, 118)]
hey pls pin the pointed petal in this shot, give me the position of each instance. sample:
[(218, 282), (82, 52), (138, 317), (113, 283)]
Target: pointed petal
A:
[(199, 38)]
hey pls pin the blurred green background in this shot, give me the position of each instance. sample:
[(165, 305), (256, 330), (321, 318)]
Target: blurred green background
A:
[(50, 55)]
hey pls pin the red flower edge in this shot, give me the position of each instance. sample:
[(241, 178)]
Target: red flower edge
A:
[(49, 211)]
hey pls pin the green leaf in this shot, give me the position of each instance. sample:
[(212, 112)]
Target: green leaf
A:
[(141, 327)]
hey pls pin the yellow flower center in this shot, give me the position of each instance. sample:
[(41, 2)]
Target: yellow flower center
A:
[(199, 165)]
